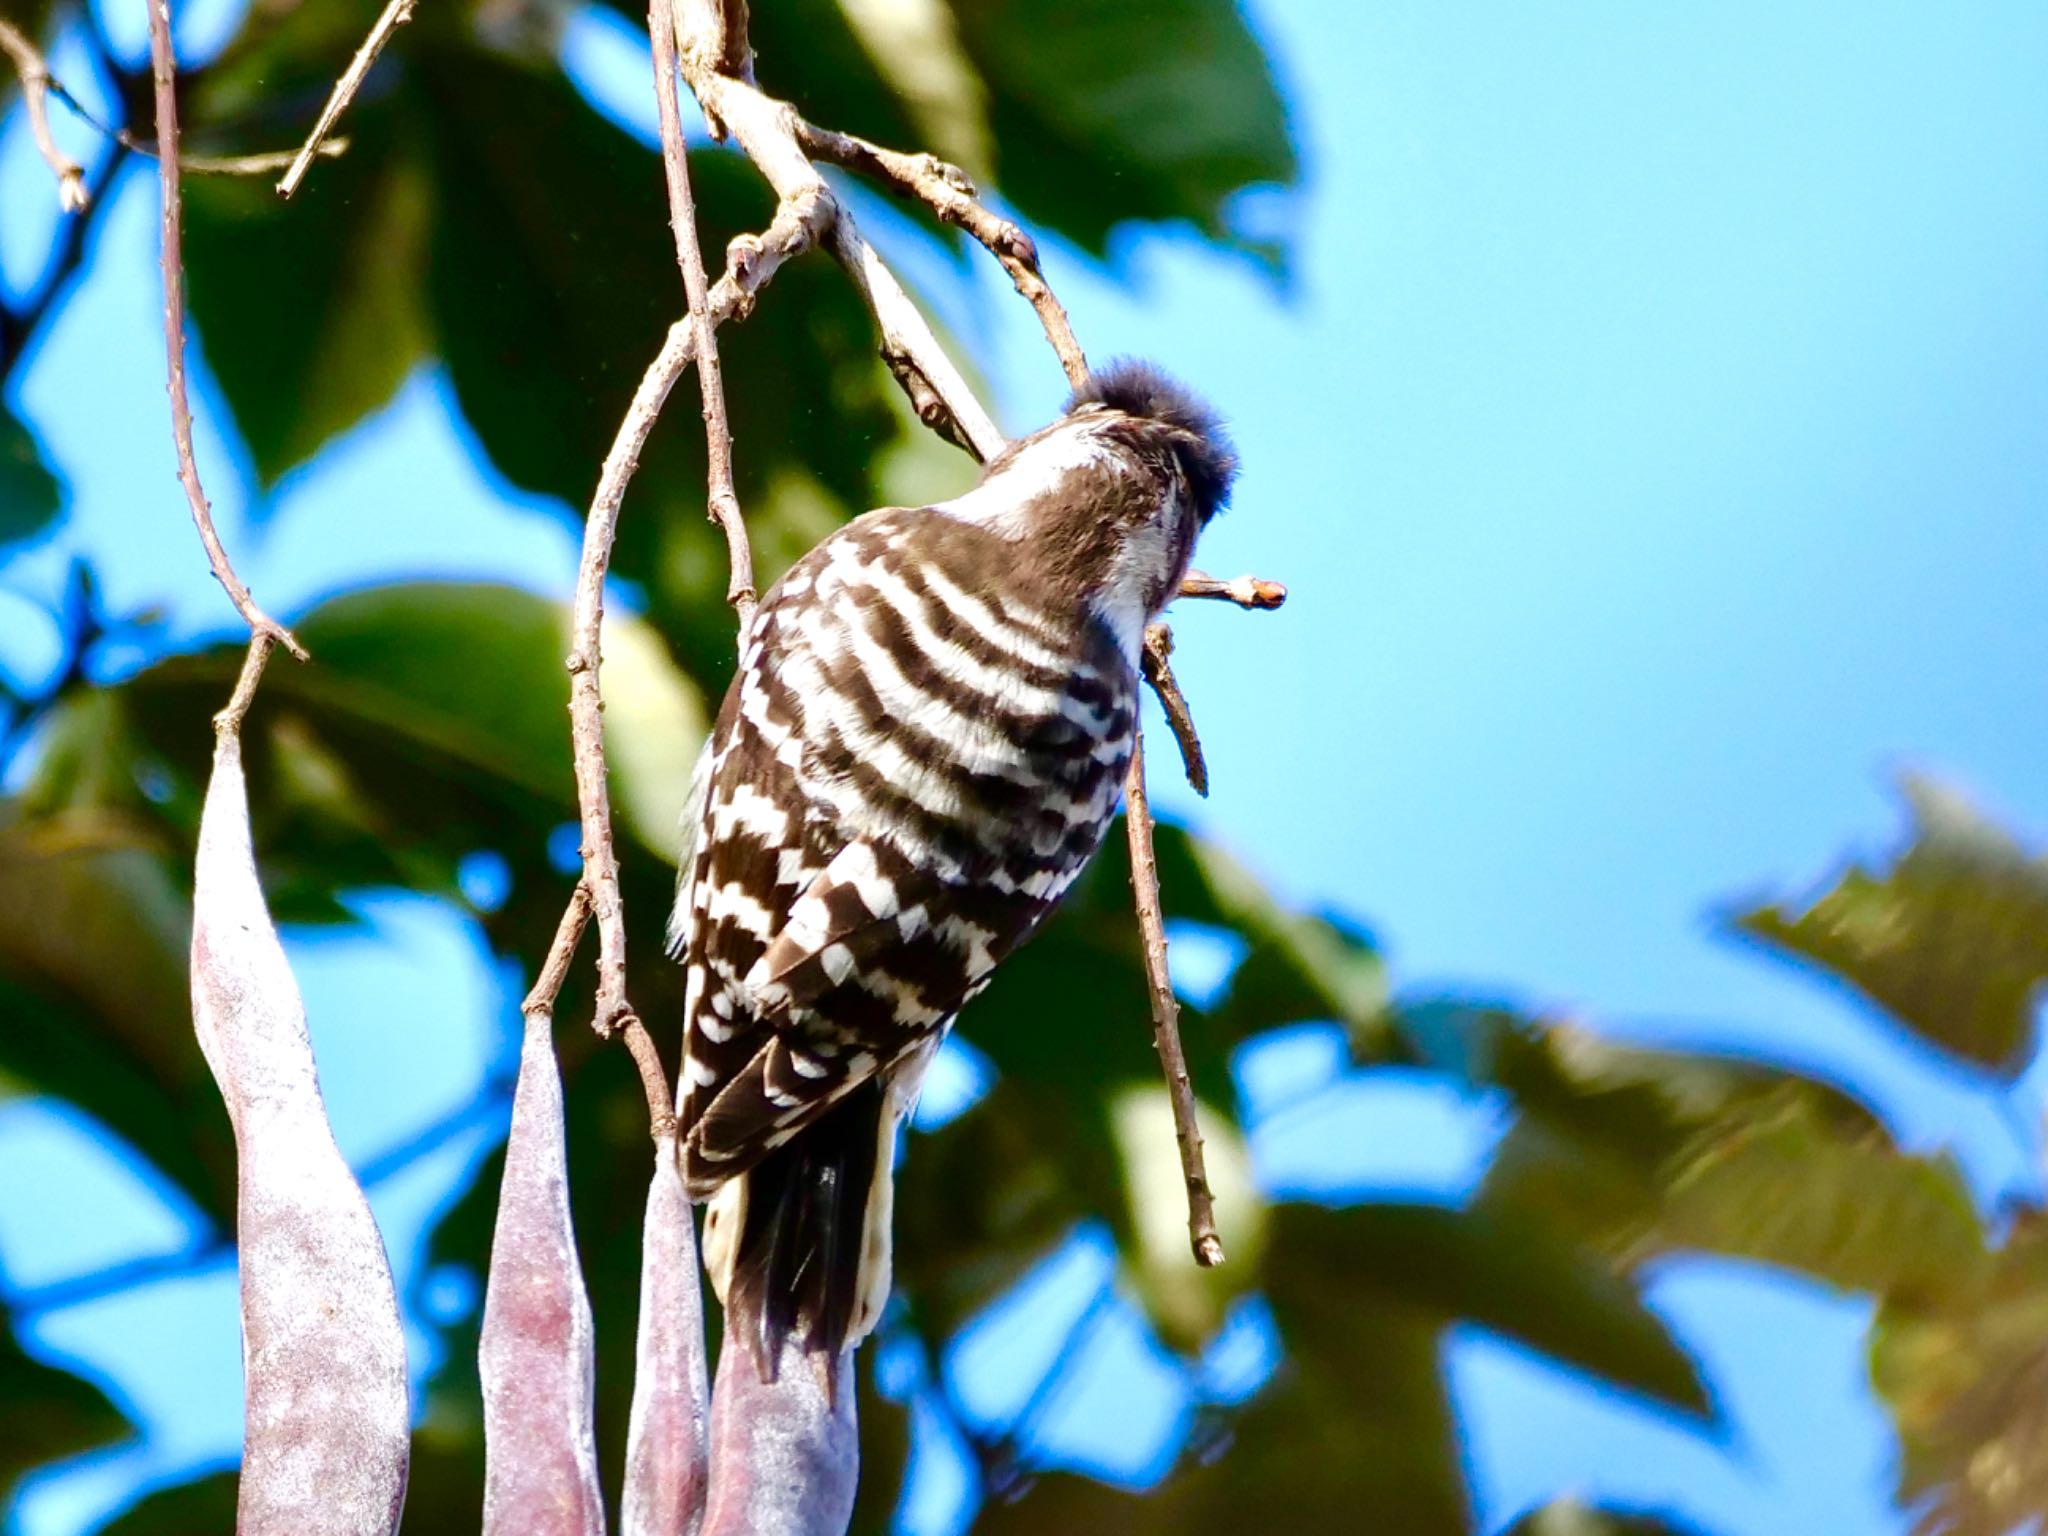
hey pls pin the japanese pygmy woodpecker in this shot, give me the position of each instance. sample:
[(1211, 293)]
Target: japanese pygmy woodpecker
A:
[(924, 743)]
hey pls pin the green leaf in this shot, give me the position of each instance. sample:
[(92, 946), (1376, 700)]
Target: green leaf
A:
[(94, 928), (1636, 1153), (1357, 1418), (1505, 1274), (1105, 112), (1951, 940), (30, 497), (1068, 1026), (1357, 1421), (309, 310), (207, 1504), (1186, 1300), (551, 278), (1966, 1377), (47, 1413), (884, 1451), (382, 759), (552, 281), (994, 1191)]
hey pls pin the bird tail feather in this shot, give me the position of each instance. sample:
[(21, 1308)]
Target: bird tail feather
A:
[(800, 1241)]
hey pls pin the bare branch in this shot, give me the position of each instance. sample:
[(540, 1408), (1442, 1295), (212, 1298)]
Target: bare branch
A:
[(229, 721), (554, 969), (661, 1102), (1159, 673), (714, 33), (35, 89), (586, 736), (769, 131), (722, 501), (939, 394), (260, 164), (1173, 1060), (1245, 591), (946, 190), (599, 890), (395, 15), (164, 69)]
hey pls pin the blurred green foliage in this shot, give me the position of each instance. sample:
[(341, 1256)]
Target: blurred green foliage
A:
[(487, 221)]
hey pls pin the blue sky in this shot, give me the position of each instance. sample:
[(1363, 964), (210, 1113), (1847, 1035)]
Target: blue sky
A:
[(1652, 438)]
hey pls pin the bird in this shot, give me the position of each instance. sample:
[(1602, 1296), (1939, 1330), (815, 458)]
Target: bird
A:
[(923, 744)]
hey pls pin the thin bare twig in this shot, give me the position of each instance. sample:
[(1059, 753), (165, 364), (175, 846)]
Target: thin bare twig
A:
[(768, 131), (35, 89), (1158, 669), (163, 67), (661, 1099), (262, 163), (395, 15), (593, 796), (228, 721), (1245, 591), (938, 393), (259, 164), (554, 970), (722, 501), (1202, 1237), (949, 193)]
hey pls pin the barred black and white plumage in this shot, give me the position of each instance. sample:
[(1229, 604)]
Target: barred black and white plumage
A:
[(924, 744)]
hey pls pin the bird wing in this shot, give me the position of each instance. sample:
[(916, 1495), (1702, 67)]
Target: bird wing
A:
[(904, 784), (876, 958)]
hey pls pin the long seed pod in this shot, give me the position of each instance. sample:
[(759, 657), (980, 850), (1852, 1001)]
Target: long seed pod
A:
[(665, 1439), (538, 1350), (326, 1423), (785, 1454)]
